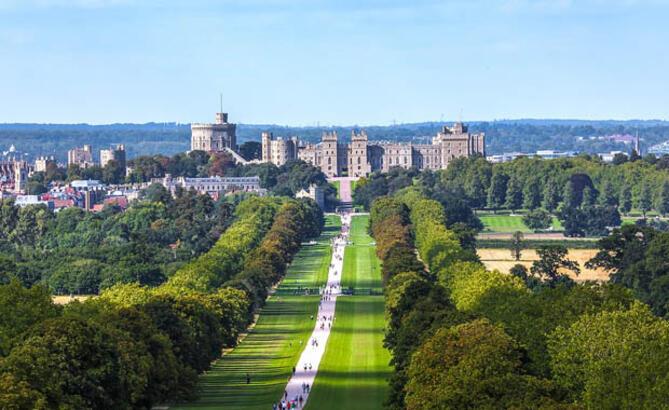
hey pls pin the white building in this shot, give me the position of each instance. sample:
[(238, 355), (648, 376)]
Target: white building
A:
[(505, 157), (212, 184), (608, 157), (25, 200), (87, 185), (551, 154)]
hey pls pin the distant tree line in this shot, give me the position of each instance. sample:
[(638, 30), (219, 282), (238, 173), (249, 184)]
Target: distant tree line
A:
[(170, 138)]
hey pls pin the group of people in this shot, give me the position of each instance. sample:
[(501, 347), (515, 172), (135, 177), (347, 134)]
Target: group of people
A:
[(286, 404)]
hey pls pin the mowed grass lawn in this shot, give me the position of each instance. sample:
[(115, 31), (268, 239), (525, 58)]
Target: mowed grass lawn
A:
[(273, 347), (510, 223), (354, 371), (362, 270)]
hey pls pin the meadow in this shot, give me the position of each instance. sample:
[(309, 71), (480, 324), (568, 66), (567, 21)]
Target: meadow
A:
[(500, 259)]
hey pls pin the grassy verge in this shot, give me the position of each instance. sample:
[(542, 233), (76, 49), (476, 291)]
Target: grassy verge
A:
[(336, 185), (353, 373), (270, 350)]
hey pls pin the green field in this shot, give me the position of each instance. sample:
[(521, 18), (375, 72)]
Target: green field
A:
[(510, 223), (361, 266), (354, 371), (270, 350)]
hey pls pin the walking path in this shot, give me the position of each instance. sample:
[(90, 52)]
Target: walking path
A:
[(303, 377), (345, 188)]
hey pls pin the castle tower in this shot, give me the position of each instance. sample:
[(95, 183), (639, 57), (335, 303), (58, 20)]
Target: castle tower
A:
[(456, 142), (214, 137), (330, 153), (266, 142)]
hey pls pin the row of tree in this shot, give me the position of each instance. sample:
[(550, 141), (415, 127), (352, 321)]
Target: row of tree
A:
[(530, 183), (465, 337), (136, 346)]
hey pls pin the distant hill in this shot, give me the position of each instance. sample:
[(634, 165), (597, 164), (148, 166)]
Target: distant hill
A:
[(526, 135)]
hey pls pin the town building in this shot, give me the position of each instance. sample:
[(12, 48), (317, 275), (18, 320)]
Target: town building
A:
[(552, 154), (14, 175), (82, 157), (608, 157), (26, 200), (214, 137), (21, 172), (361, 157), (113, 154), (505, 157)]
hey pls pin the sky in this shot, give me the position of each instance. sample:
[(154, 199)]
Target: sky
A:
[(322, 62)]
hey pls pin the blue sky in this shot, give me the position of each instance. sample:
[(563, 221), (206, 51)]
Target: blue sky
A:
[(302, 62)]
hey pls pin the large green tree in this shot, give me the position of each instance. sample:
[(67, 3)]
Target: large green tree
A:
[(473, 365), (614, 360), (553, 264)]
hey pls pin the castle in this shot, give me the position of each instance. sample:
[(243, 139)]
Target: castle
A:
[(335, 158), (359, 158)]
